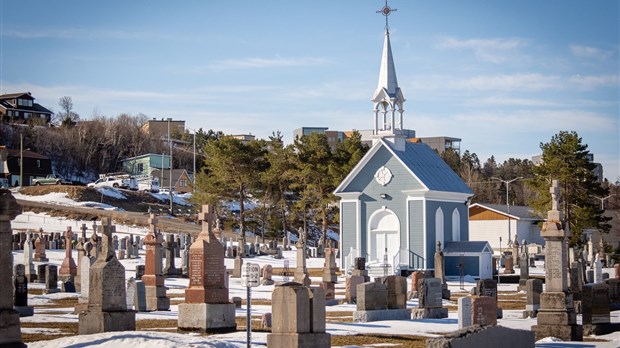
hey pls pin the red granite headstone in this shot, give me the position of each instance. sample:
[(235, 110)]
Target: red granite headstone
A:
[(415, 277), (152, 263), (39, 248), (483, 310), (207, 272)]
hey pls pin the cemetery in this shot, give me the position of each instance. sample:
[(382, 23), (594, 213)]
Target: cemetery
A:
[(298, 300)]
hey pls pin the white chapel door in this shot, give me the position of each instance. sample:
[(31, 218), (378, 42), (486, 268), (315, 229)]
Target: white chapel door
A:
[(384, 233)]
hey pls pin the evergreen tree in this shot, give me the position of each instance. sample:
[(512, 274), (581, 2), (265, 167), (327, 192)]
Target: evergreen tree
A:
[(348, 153), (278, 178), (232, 171), (315, 172), (452, 158), (565, 158)]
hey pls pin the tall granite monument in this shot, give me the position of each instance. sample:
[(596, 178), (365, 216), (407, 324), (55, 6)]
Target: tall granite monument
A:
[(207, 307), (107, 305), (153, 280), (556, 316)]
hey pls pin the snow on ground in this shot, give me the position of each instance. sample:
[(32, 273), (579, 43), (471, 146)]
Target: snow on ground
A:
[(61, 198), (136, 339), (151, 339)]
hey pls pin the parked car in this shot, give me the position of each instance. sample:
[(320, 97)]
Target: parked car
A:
[(50, 179)]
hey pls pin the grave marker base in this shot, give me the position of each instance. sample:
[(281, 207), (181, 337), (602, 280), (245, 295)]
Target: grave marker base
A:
[(296, 340), (207, 317), (10, 334), (429, 313), (381, 314), (564, 332), (25, 311), (96, 322), (600, 329)]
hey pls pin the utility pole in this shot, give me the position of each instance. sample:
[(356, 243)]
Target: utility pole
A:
[(194, 181), (170, 144), (21, 159), (507, 183)]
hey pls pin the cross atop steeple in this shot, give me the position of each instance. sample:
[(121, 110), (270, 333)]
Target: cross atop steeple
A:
[(388, 98), (386, 11)]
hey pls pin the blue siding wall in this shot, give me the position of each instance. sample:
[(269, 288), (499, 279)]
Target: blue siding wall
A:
[(448, 208), (416, 230), (472, 265), (348, 227)]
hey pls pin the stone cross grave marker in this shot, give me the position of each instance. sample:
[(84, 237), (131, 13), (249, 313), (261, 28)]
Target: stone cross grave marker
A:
[(68, 269), (30, 271)]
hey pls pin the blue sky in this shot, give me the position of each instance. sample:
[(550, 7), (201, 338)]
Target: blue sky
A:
[(502, 75)]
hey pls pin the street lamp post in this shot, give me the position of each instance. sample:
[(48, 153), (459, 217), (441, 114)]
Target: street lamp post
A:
[(507, 183), (603, 200)]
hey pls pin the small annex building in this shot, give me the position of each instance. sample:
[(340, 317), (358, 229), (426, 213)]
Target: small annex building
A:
[(476, 258)]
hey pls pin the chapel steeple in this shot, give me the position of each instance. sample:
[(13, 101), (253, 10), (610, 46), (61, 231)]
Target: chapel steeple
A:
[(388, 98)]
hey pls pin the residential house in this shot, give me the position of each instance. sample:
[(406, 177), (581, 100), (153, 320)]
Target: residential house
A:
[(145, 164), (181, 181), (21, 108), (33, 166)]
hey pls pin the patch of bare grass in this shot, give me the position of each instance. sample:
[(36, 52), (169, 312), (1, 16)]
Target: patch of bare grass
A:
[(368, 340)]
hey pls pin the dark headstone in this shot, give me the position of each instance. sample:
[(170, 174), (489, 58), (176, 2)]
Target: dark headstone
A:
[(68, 286), (487, 287), (51, 279), (21, 286), (139, 271)]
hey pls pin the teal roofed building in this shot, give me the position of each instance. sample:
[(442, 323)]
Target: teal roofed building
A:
[(401, 198)]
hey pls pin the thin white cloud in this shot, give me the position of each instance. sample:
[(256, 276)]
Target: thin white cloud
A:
[(258, 63), (510, 101), (536, 102), (495, 50), (589, 52), (514, 82), (89, 34), (590, 82)]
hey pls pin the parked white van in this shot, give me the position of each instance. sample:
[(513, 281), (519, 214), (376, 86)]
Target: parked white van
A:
[(149, 184)]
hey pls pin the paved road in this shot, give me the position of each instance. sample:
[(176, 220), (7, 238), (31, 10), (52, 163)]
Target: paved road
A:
[(140, 219)]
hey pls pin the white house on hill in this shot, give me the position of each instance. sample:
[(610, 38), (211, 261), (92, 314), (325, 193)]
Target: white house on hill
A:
[(489, 222)]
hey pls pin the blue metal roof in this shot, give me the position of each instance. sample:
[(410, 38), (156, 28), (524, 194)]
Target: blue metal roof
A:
[(464, 247), (430, 168)]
